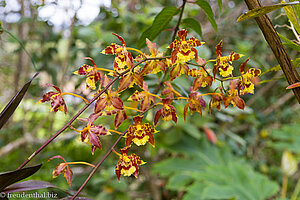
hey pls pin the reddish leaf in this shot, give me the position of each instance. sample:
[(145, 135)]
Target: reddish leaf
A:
[(8, 178), (14, 103), (28, 185), (293, 85)]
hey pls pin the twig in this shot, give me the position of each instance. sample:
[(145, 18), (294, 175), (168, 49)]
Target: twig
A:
[(275, 44), (295, 32), (179, 20)]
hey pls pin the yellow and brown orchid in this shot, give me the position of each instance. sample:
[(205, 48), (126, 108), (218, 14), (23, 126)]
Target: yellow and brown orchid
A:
[(56, 99), (128, 164), (224, 63), (139, 133), (123, 57)]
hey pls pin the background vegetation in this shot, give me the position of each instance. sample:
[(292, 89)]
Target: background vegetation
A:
[(245, 163)]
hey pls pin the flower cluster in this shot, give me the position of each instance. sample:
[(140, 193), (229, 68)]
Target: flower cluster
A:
[(130, 72)]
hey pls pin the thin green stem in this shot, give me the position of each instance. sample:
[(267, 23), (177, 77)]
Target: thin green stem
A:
[(179, 20), (185, 98), (284, 186), (23, 47), (82, 163), (296, 191), (154, 95), (114, 131), (133, 49), (105, 70), (130, 108), (75, 95)]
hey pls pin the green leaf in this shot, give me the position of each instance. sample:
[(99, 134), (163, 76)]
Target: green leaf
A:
[(263, 10), (289, 43), (192, 130), (220, 6), (269, 80), (296, 63), (290, 12), (193, 24), (216, 173), (287, 138), (296, 10), (178, 181), (160, 23), (235, 180), (175, 165), (194, 190), (204, 5)]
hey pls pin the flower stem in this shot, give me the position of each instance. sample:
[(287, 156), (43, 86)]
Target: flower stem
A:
[(296, 191), (75, 95), (113, 150), (130, 108), (185, 98), (71, 127), (83, 163), (209, 94), (230, 78), (133, 49), (284, 186), (114, 131), (210, 61), (154, 95), (105, 70), (176, 93)]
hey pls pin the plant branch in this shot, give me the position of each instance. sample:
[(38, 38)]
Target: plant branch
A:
[(275, 44), (179, 20)]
